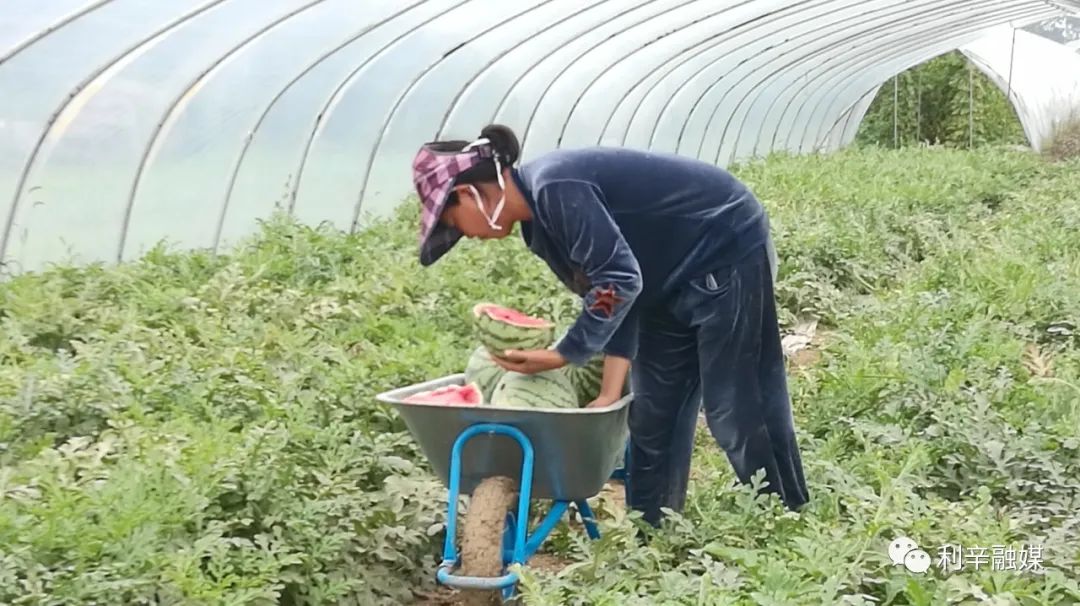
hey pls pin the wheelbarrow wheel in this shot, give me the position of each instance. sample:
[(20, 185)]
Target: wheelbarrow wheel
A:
[(482, 536)]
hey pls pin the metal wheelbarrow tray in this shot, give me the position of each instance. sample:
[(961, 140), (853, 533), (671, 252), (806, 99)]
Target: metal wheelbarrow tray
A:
[(563, 455), (575, 450)]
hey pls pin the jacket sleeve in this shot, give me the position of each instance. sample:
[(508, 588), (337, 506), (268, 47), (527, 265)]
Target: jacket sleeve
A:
[(577, 220)]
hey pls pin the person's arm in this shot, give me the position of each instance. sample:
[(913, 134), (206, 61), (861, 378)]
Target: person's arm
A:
[(624, 341), (616, 369), (573, 214)]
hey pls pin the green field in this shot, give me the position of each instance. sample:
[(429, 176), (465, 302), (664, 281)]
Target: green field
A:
[(191, 429)]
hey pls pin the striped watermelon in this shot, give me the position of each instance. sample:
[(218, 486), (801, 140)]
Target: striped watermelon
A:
[(587, 379), (483, 371), (551, 389), (501, 328)]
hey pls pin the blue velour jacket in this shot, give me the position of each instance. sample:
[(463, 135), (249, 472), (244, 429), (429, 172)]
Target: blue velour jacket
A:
[(624, 229)]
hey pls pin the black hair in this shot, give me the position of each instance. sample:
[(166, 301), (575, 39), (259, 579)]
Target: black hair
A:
[(504, 143)]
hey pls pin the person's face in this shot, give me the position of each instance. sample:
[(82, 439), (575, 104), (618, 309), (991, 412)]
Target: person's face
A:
[(467, 217)]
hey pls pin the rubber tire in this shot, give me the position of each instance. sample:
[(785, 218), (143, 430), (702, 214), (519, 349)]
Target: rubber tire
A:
[(482, 536)]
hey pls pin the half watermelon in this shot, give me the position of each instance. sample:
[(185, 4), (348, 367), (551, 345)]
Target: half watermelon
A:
[(450, 395), (501, 328)]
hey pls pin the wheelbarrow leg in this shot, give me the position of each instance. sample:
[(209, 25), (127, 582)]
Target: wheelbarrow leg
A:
[(626, 474), (588, 519), (538, 536), (620, 473)]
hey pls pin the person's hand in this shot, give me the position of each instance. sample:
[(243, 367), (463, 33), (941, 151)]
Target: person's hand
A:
[(531, 361), (603, 401)]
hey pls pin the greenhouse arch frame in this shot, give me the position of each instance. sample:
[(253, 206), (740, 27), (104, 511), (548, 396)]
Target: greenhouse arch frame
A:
[(126, 122)]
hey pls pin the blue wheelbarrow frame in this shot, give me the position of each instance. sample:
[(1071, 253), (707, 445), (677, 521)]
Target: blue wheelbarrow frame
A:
[(562, 455)]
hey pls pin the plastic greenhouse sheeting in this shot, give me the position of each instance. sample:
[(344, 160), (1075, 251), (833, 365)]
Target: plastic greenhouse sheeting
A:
[(1064, 29), (125, 122), (1041, 76)]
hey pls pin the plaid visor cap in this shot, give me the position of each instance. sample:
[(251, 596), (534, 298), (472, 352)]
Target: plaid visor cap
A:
[(434, 173)]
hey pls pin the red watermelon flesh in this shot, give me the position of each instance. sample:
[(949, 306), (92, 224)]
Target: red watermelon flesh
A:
[(511, 316), (450, 395)]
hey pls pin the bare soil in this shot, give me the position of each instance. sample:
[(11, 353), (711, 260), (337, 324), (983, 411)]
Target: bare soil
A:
[(810, 353), (805, 357)]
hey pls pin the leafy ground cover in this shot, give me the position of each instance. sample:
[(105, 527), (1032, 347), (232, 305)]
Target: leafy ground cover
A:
[(198, 429)]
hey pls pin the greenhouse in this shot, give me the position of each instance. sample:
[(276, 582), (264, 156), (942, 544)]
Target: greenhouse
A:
[(1041, 75), (125, 123), (220, 326)]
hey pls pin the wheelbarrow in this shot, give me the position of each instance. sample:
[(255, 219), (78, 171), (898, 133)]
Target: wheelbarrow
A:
[(560, 455)]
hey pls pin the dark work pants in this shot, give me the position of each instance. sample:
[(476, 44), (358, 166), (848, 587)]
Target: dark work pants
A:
[(715, 343)]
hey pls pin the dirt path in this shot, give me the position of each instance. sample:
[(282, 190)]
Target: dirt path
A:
[(802, 346)]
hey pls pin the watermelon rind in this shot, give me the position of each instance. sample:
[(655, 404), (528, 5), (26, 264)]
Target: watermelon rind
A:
[(482, 370), (498, 336), (587, 379), (549, 389)]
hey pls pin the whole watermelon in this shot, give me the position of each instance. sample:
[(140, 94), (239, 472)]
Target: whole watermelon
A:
[(588, 379), (482, 370), (550, 389)]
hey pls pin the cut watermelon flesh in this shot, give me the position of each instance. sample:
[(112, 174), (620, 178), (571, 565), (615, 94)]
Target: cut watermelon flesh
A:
[(510, 316), (450, 395)]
